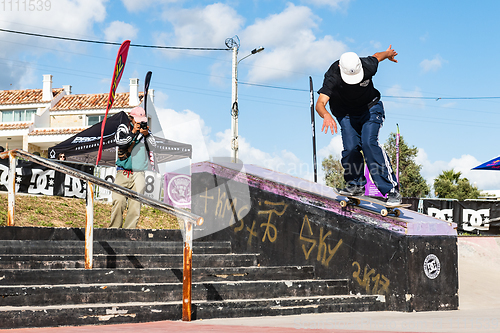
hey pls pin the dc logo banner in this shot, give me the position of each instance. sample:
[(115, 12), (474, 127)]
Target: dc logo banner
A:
[(475, 219), (35, 179), (109, 175), (469, 215), (42, 182), (4, 173), (178, 190), (443, 214), (432, 266), (74, 187)]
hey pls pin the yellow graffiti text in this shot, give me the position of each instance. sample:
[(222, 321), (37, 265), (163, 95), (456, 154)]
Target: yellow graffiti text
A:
[(268, 225), (325, 251), (380, 282)]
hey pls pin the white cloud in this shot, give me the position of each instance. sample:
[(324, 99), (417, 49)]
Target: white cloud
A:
[(134, 5), (68, 18), (333, 4), (15, 75), (290, 45), (202, 27), (188, 127), (376, 45), (484, 179), (424, 37), (450, 105), (397, 90), (430, 170), (160, 98), (284, 161), (334, 148), (119, 31), (434, 64), (65, 18)]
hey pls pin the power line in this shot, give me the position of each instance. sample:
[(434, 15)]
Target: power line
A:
[(269, 86), (114, 43), (227, 49), (385, 96), (438, 98)]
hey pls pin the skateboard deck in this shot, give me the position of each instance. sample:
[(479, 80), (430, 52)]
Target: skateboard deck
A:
[(356, 200)]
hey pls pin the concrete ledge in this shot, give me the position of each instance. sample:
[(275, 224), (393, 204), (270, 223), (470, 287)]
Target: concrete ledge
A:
[(410, 260)]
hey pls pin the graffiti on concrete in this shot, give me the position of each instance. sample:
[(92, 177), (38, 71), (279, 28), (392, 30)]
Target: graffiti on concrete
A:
[(319, 243), (379, 281)]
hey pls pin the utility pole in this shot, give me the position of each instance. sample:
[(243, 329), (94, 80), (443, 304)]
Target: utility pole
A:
[(234, 107), (234, 44)]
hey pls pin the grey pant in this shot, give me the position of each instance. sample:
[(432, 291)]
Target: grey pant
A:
[(134, 181)]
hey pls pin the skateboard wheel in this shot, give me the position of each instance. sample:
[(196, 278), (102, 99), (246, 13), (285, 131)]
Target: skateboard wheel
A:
[(397, 212), (343, 204), (357, 202), (384, 212)]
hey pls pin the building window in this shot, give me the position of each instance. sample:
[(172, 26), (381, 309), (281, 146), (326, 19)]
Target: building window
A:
[(92, 120), (10, 116)]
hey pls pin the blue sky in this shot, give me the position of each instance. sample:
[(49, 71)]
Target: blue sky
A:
[(446, 50)]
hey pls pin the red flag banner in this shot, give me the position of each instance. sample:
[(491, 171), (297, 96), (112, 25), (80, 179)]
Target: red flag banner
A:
[(121, 58)]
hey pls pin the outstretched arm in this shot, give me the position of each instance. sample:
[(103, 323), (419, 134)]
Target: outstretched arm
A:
[(387, 54), (328, 121)]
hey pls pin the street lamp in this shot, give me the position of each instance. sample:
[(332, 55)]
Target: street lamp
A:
[(234, 44)]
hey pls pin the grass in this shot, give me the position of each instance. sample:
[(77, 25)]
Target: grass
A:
[(60, 212)]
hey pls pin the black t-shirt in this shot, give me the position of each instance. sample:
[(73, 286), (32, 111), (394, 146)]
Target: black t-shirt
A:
[(352, 99)]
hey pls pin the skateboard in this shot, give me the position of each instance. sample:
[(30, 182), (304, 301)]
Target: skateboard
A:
[(356, 200)]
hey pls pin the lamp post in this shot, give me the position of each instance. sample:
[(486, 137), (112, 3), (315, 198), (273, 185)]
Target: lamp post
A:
[(235, 45)]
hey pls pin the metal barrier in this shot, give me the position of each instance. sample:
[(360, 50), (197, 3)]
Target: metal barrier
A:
[(188, 218)]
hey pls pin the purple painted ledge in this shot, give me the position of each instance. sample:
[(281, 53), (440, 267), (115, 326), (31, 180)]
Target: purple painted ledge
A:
[(321, 196)]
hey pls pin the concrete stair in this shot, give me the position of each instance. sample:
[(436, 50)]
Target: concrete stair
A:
[(138, 278)]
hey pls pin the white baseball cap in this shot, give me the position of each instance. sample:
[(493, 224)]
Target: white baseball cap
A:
[(351, 69)]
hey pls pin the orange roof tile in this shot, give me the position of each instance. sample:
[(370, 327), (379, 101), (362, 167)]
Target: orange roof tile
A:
[(56, 131), (27, 96), (14, 126), (92, 101)]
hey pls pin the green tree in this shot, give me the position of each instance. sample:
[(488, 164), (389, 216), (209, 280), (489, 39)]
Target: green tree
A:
[(411, 182), (449, 184), (334, 172)]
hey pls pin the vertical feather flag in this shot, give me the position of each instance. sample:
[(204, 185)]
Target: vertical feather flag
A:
[(121, 58), (315, 165), (146, 88), (397, 155), (151, 154)]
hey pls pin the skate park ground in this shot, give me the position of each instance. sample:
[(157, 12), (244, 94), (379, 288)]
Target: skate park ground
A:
[(479, 308)]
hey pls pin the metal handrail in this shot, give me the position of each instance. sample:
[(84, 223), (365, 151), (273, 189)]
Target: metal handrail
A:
[(189, 218)]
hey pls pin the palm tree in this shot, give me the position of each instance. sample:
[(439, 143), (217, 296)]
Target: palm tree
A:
[(449, 184)]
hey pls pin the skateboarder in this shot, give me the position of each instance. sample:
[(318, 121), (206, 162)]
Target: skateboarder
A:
[(355, 103)]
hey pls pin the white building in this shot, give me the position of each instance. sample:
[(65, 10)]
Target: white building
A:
[(36, 119)]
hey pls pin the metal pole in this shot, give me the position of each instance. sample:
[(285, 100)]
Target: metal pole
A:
[(89, 228), (234, 107), (187, 267), (313, 128), (12, 189), (397, 155)]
